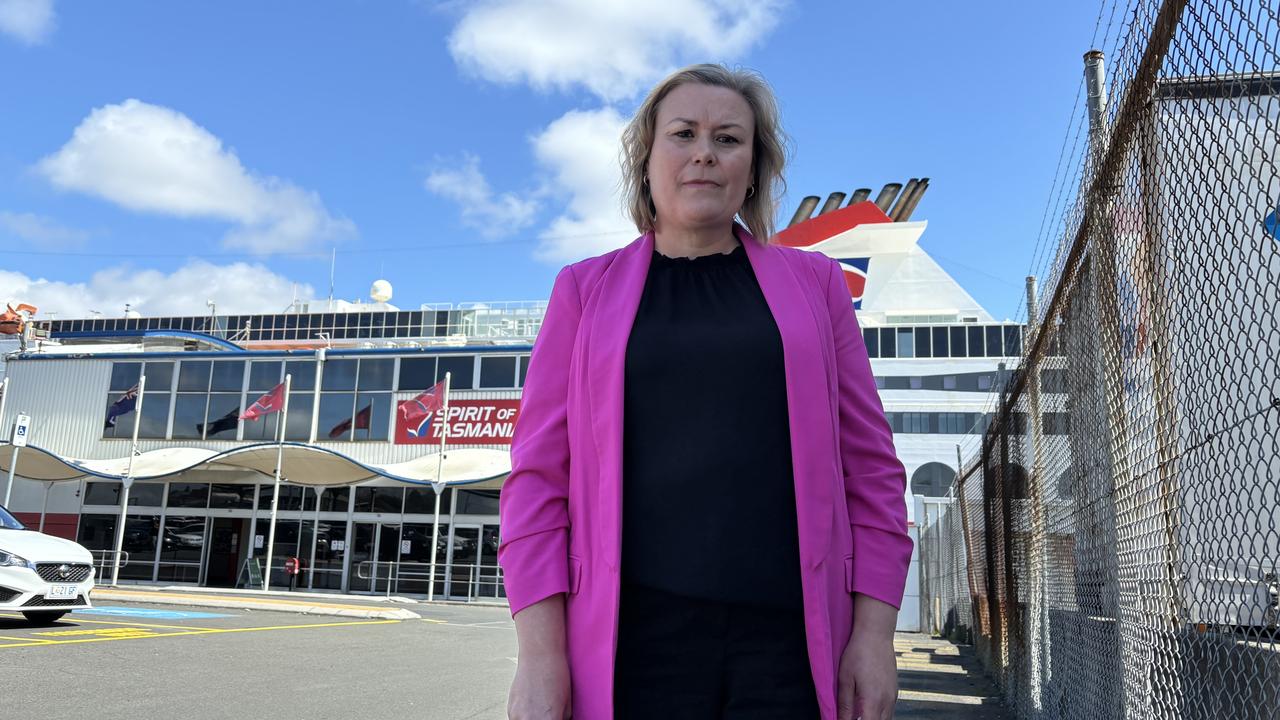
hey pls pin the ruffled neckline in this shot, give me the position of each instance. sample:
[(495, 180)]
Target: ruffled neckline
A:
[(733, 257)]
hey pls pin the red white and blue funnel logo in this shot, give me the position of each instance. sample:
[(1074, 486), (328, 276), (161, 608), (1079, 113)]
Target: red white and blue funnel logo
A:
[(1270, 224), (855, 276)]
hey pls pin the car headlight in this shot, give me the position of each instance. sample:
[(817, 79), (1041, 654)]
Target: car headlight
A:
[(8, 559)]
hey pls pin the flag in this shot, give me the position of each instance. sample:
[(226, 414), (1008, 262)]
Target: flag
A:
[(222, 424), (361, 422), (271, 402), (419, 411), (125, 405)]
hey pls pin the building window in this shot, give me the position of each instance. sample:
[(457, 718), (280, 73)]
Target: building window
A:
[(924, 342), (417, 373), (888, 343), (497, 371), (976, 344), (932, 480), (957, 342), (916, 382), (984, 381), (995, 347), (906, 343), (871, 339), (879, 382), (363, 415), (461, 371), (153, 420), (948, 382), (379, 499), (524, 368), (940, 345)]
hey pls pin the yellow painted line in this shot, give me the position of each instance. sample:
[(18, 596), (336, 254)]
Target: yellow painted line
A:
[(21, 639), (152, 636), (141, 596)]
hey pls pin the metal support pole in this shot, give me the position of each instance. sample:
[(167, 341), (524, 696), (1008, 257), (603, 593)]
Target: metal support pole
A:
[(438, 486), (315, 538), (13, 463), (275, 490), (44, 508), (127, 482)]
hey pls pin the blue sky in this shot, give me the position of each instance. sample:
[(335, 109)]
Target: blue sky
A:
[(168, 153)]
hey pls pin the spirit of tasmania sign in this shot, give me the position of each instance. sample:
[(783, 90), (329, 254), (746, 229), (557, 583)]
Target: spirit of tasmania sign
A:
[(471, 422)]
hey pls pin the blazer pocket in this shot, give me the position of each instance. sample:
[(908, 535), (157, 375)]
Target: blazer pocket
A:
[(575, 574), (848, 573)]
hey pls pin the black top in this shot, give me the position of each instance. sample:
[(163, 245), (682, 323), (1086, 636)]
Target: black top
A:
[(708, 500)]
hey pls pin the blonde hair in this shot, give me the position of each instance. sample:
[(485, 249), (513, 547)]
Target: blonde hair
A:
[(769, 147)]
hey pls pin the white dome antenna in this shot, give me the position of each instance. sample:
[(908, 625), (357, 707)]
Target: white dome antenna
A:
[(381, 291)]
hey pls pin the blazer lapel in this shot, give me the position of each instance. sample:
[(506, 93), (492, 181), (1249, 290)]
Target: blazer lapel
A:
[(612, 312), (808, 402)]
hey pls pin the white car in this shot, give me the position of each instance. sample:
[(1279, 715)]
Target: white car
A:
[(41, 576)]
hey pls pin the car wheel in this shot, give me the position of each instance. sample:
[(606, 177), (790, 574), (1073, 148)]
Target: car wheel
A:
[(47, 617)]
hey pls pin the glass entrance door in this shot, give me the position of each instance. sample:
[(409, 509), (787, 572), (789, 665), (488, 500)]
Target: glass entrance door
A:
[(375, 557), (464, 557)]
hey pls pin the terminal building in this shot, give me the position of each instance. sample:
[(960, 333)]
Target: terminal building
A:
[(360, 480)]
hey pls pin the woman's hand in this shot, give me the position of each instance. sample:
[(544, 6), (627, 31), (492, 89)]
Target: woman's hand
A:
[(540, 690), (868, 679)]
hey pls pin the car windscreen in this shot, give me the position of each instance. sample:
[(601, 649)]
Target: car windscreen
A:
[(9, 522)]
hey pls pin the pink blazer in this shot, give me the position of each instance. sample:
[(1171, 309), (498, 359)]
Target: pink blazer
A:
[(561, 506)]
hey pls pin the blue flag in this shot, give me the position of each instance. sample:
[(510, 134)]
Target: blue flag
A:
[(125, 405)]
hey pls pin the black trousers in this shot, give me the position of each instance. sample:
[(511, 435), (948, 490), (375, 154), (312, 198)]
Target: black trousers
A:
[(683, 658)]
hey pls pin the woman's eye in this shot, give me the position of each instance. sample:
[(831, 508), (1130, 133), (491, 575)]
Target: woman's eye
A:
[(684, 133), (728, 139)]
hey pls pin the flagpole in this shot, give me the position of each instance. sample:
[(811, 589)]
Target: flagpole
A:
[(438, 486), (127, 482), (275, 491)]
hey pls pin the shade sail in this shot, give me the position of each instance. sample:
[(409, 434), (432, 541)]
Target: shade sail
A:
[(302, 464)]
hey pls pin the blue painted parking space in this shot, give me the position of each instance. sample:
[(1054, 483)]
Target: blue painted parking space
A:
[(151, 613)]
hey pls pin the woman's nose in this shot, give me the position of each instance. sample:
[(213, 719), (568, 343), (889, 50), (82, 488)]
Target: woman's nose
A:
[(703, 154)]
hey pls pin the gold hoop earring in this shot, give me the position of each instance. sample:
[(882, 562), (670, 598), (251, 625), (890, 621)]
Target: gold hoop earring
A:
[(645, 180), (751, 191)]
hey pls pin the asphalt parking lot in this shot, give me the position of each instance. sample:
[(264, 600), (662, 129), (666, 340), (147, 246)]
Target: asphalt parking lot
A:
[(126, 660)]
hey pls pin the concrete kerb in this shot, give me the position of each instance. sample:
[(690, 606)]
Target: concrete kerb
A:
[(264, 602)]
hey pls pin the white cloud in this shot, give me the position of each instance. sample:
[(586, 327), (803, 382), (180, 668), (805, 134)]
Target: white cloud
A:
[(580, 152), (613, 48), (39, 229), (150, 158), (494, 215), (236, 288), (30, 21)]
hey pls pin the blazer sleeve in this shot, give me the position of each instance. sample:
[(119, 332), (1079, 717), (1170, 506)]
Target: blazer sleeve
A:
[(533, 507), (874, 479)]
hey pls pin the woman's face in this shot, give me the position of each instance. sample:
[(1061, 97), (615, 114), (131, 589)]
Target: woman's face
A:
[(700, 166)]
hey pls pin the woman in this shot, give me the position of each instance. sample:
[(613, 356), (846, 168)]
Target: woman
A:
[(705, 515)]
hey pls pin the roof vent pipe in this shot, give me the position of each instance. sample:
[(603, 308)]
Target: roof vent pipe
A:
[(908, 205), (832, 203), (805, 210), (907, 191), (886, 196)]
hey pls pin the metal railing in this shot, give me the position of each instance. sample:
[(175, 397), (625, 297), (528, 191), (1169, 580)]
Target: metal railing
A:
[(104, 561), (1128, 568), (481, 581)]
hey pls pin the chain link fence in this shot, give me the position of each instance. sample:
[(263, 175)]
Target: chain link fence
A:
[(1112, 544)]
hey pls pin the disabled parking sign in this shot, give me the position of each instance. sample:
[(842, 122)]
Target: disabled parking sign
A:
[(21, 431)]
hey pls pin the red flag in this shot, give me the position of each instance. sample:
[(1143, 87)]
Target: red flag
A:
[(418, 412), (272, 402), (362, 423)]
